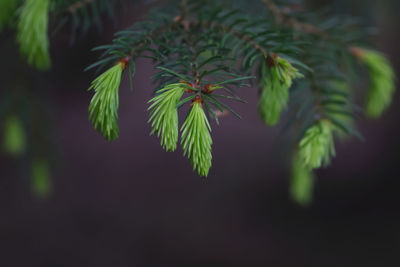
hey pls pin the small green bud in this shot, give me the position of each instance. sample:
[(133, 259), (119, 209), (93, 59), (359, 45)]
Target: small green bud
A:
[(317, 146), (382, 80)]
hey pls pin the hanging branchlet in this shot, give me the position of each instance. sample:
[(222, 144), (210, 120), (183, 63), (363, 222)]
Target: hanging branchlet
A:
[(317, 146), (32, 33), (382, 79), (196, 139), (164, 114), (301, 183), (7, 12), (277, 75), (103, 109)]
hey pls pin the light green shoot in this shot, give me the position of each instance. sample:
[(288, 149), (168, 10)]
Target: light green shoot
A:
[(317, 146), (32, 33), (302, 182), (164, 114), (41, 179), (14, 137), (196, 139), (382, 78), (103, 109), (7, 11), (276, 81)]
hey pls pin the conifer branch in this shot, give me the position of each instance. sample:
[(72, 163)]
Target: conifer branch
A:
[(196, 52), (203, 52)]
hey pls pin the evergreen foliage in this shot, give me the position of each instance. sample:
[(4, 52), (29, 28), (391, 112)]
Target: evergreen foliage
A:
[(203, 51)]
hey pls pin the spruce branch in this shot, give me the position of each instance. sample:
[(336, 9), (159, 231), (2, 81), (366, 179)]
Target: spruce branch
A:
[(205, 50)]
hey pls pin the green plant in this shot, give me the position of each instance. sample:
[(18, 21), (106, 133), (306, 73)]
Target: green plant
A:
[(204, 50)]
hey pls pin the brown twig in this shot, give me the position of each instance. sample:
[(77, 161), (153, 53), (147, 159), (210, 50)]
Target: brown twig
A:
[(78, 5), (241, 36), (157, 31), (280, 18)]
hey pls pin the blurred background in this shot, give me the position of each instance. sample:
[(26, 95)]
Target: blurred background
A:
[(129, 203)]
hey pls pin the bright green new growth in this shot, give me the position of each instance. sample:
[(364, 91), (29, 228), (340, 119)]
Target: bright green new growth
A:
[(103, 109), (196, 139), (382, 86), (32, 33), (317, 146), (276, 82), (41, 180), (164, 114), (302, 182), (14, 137), (7, 11)]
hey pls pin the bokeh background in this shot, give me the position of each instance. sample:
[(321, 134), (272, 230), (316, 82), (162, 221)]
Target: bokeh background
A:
[(129, 203)]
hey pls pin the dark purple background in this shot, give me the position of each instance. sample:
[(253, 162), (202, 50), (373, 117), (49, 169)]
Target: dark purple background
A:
[(128, 203)]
